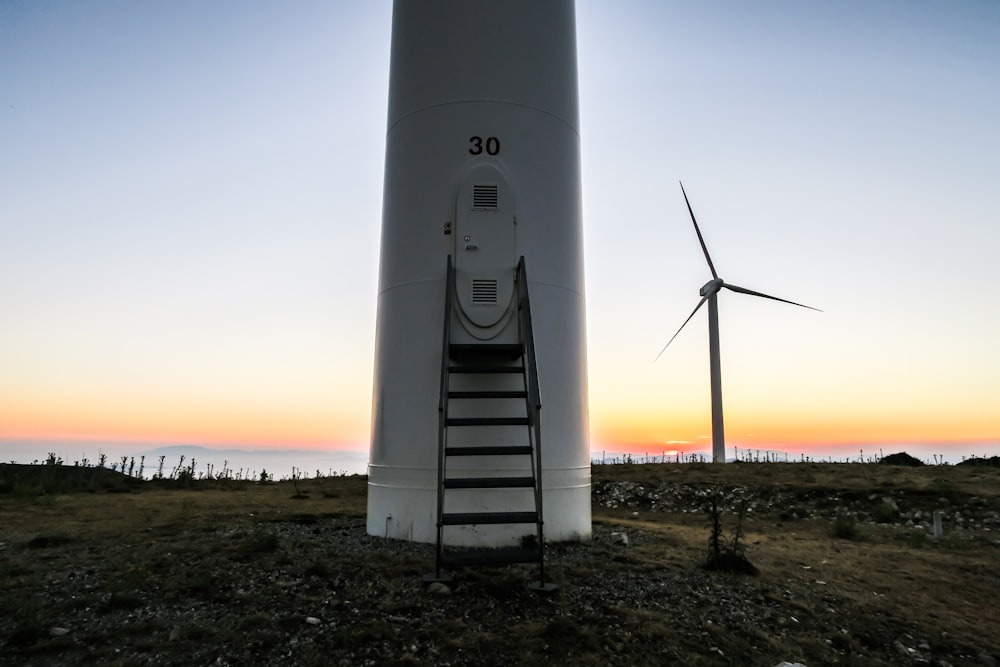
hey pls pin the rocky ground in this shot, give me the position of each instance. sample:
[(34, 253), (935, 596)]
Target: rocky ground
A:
[(299, 582), (910, 508)]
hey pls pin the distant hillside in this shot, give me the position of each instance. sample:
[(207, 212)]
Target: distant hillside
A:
[(36, 480), (992, 462)]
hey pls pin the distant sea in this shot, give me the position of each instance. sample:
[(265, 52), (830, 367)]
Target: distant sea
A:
[(247, 462), (949, 453)]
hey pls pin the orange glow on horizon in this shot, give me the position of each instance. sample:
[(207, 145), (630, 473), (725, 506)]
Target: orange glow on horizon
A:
[(805, 435), (176, 421), (316, 422)]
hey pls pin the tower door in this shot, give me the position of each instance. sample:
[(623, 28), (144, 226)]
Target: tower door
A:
[(485, 248)]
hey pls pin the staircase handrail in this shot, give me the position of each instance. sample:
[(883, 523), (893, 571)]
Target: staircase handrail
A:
[(449, 284), (534, 398), (524, 305)]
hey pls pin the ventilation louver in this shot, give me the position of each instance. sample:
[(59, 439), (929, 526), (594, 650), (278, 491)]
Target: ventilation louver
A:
[(485, 196), (484, 291)]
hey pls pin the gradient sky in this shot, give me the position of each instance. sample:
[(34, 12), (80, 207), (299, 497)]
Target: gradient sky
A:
[(190, 203)]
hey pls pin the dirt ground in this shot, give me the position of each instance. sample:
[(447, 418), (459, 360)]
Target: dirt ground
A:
[(100, 569)]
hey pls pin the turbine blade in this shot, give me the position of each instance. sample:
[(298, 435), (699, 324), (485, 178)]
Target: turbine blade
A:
[(703, 300), (701, 240), (744, 290)]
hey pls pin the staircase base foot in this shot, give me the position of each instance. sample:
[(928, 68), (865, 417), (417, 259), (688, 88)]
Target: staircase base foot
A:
[(539, 587), (432, 577)]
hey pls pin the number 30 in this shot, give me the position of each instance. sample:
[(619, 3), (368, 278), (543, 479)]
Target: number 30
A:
[(491, 144)]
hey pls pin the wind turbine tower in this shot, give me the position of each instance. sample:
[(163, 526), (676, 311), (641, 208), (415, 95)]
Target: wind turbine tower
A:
[(709, 293), (481, 206)]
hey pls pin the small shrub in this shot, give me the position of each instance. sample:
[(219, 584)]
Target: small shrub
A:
[(916, 538), (49, 541), (727, 555), (185, 477), (262, 540), (845, 527), (884, 512), (318, 569)]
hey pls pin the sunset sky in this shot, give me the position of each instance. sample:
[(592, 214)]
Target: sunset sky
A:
[(190, 205)]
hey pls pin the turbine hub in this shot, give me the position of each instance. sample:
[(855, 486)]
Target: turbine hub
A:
[(711, 287)]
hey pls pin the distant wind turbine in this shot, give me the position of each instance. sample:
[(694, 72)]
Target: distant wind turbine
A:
[(709, 292)]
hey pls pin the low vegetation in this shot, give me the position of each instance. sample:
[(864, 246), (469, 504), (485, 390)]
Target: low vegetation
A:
[(99, 566)]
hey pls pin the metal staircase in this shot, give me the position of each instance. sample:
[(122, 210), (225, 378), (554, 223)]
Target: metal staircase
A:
[(494, 386)]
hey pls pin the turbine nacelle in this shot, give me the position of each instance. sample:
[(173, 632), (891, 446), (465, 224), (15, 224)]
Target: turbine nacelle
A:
[(711, 287)]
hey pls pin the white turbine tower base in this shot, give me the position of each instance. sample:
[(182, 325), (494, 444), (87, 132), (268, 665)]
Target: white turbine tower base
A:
[(482, 164), (710, 293)]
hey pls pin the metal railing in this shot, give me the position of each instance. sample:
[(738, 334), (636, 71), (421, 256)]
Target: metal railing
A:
[(533, 403), (449, 285), (534, 396)]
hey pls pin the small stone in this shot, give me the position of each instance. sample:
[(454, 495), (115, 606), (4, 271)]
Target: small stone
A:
[(619, 538), (312, 620), (58, 632), (438, 588)]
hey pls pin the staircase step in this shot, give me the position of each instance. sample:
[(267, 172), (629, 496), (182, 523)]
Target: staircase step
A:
[(466, 352), (496, 450), (484, 369), (472, 518), (488, 421), (489, 482), (490, 557), (487, 394)]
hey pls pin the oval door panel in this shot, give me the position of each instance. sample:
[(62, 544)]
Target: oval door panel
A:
[(485, 245)]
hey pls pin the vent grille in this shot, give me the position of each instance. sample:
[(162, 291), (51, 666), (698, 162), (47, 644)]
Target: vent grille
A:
[(484, 291), (485, 196)]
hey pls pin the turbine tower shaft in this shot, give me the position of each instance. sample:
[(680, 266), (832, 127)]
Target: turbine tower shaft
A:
[(715, 361)]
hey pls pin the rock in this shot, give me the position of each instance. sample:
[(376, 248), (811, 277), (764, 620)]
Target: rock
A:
[(312, 620), (58, 632), (437, 588), (790, 664), (619, 538)]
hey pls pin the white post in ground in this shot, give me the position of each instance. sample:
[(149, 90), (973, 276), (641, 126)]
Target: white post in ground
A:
[(938, 527)]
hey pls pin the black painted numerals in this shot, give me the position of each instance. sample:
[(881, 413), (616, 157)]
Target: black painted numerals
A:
[(491, 145)]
